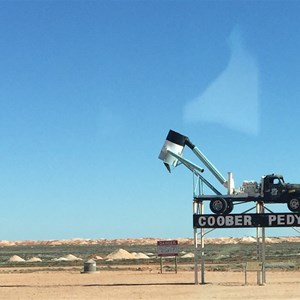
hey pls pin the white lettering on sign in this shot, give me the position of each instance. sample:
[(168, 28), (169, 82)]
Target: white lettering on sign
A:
[(201, 221), (225, 221), (247, 220), (290, 220), (220, 221), (272, 219), (282, 220), (238, 221), (229, 220)]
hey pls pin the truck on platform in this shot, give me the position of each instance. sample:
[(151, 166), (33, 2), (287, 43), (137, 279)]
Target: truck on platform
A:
[(271, 188)]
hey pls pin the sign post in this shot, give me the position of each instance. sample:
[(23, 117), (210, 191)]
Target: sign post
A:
[(202, 248), (167, 248), (195, 209)]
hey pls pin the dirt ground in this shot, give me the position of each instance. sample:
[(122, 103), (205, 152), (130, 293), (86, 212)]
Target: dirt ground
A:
[(143, 284)]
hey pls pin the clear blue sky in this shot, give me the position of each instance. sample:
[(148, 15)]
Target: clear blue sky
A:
[(90, 89)]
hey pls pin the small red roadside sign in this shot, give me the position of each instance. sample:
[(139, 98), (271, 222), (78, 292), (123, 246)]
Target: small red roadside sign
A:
[(167, 248)]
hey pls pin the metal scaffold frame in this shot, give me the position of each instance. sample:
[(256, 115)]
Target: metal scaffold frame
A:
[(199, 246), (222, 204), (199, 235)]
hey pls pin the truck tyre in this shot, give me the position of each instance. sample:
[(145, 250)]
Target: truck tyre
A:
[(294, 205), (218, 206), (229, 208)]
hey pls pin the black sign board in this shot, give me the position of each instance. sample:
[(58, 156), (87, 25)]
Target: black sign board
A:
[(246, 220)]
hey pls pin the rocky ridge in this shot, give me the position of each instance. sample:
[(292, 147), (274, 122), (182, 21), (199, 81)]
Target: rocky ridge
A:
[(146, 241)]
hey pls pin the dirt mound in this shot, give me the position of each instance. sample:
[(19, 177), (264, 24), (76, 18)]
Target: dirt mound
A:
[(16, 258), (69, 257), (248, 239), (140, 255), (123, 254), (95, 257), (188, 255), (34, 259), (120, 254)]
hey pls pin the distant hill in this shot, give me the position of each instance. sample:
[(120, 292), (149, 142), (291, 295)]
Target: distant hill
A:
[(146, 241)]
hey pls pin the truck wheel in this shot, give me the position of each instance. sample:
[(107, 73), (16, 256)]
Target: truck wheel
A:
[(218, 206), (294, 205), (229, 208)]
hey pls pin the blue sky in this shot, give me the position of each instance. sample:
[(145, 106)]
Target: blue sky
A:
[(90, 89)]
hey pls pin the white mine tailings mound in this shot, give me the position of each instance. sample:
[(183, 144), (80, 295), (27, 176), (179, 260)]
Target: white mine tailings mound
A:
[(188, 255), (16, 258), (34, 259), (96, 257), (140, 255), (123, 254), (69, 257), (120, 254)]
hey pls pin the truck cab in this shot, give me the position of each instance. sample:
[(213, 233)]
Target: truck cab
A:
[(275, 190)]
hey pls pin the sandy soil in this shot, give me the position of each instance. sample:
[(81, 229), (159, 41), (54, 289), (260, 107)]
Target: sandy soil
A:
[(143, 284)]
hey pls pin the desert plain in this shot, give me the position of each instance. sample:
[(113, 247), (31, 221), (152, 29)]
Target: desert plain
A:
[(128, 278)]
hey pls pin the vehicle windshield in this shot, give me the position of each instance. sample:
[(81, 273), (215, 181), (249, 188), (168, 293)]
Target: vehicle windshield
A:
[(278, 180)]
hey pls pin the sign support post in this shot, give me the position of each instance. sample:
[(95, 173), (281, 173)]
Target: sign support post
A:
[(202, 247), (261, 246), (195, 210), (198, 208)]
